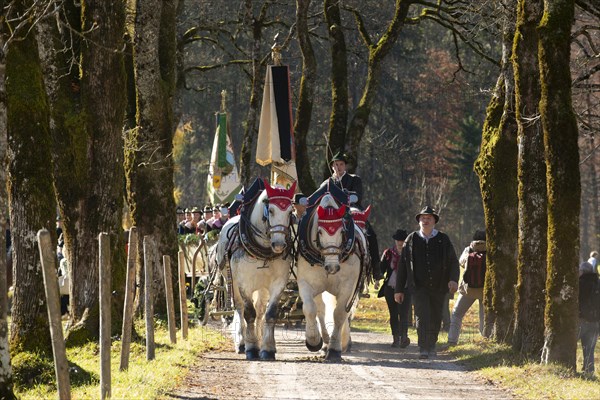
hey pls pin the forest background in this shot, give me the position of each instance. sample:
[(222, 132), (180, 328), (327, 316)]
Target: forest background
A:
[(424, 132), (417, 92)]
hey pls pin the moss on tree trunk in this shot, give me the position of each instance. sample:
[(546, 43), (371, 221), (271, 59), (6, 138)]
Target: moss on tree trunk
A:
[(377, 54), (338, 119), (252, 117), (149, 165), (497, 171), (529, 307), (6, 372), (564, 190), (496, 167), (87, 113), (305, 98), (30, 191)]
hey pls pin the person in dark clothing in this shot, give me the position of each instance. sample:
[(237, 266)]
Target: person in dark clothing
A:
[(352, 184), (390, 260), (428, 267), (589, 313)]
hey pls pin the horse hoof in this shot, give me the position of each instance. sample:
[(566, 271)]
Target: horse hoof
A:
[(333, 355), (241, 348), (252, 354), (267, 355), (314, 348)]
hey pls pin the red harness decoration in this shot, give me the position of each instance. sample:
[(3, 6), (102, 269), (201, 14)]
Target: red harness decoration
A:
[(282, 198), (360, 217), (331, 219)]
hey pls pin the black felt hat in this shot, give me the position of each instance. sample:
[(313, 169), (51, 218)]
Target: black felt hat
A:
[(208, 209), (427, 210), (400, 234), (479, 235), (339, 156)]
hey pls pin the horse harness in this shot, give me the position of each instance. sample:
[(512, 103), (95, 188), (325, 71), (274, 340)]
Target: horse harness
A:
[(247, 233), (349, 246)]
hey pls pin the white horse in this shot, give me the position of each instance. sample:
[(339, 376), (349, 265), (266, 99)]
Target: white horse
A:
[(260, 268), (330, 233)]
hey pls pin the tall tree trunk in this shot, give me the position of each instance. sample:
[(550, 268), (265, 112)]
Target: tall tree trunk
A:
[(533, 224), (252, 117), (560, 139), (377, 54), (496, 167), (305, 98), (593, 220), (6, 374), (338, 120), (30, 191), (149, 165), (88, 104)]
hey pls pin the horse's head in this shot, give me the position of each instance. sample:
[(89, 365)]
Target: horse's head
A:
[(331, 236), (360, 217), (277, 214)]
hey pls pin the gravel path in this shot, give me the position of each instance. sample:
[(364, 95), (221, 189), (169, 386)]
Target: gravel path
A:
[(372, 370)]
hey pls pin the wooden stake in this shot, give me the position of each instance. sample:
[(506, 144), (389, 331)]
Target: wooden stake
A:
[(182, 295), (169, 298), (105, 317), (149, 306), (61, 367), (129, 296)]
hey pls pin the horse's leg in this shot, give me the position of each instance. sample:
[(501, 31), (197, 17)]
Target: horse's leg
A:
[(250, 334), (340, 317), (261, 299), (321, 310), (280, 277), (239, 324), (345, 338), (314, 342)]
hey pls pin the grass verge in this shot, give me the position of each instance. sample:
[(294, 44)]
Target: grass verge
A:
[(144, 379)]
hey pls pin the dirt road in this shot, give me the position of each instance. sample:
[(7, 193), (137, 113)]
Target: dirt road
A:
[(372, 370)]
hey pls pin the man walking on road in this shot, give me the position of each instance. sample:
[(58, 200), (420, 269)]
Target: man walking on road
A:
[(428, 266)]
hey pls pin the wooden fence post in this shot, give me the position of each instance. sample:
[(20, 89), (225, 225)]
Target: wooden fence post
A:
[(149, 306), (129, 296), (170, 300), (105, 317), (182, 295), (61, 367)]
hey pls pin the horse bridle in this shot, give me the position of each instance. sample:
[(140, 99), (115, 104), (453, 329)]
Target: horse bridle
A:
[(334, 250), (279, 228)]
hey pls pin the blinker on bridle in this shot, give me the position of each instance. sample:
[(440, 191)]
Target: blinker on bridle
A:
[(281, 202)]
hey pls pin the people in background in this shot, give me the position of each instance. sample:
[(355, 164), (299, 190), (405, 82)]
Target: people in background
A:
[(187, 226), (180, 216), (594, 260), (299, 205), (390, 260), (61, 239), (473, 260), (589, 313), (221, 215)]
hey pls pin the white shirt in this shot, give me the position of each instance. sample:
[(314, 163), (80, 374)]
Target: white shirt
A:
[(434, 232)]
